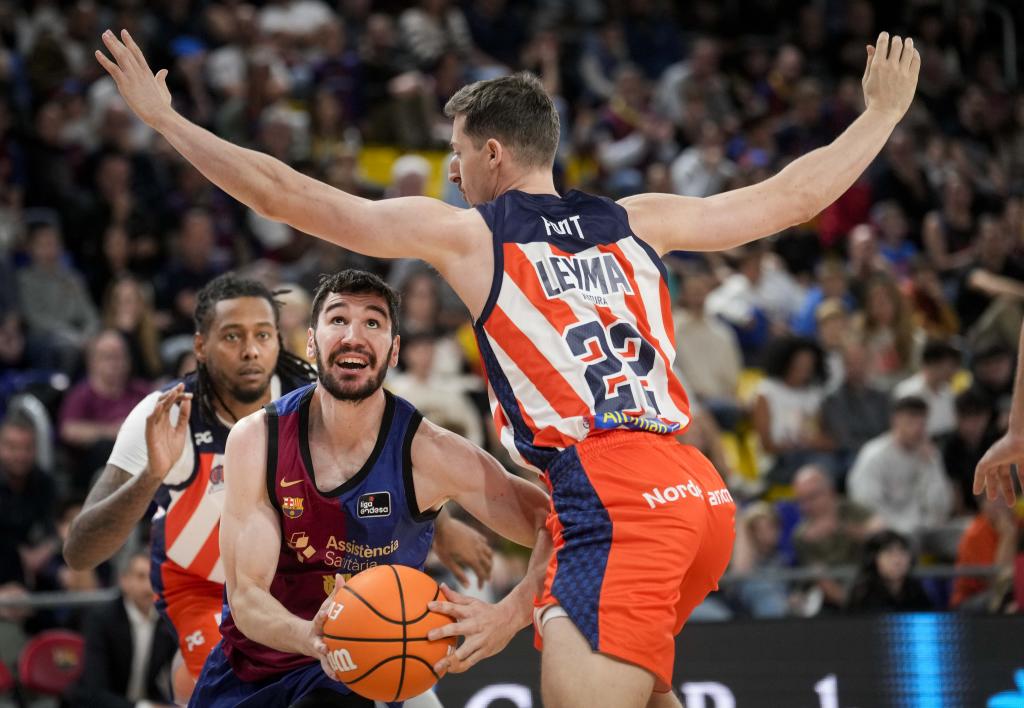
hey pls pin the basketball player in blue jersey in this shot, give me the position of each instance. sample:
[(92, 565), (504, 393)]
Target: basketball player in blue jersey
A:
[(333, 478), (573, 320)]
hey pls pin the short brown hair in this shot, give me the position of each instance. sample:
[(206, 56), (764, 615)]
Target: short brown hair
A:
[(515, 110), (355, 282)]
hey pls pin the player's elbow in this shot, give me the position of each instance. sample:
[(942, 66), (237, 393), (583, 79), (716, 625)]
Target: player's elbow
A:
[(75, 554), (806, 202)]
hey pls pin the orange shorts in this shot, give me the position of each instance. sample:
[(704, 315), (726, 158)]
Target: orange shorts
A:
[(643, 528), (194, 606)]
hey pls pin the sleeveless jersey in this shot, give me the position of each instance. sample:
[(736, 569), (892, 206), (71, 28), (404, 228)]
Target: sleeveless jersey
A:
[(576, 335), (186, 527), (371, 519)]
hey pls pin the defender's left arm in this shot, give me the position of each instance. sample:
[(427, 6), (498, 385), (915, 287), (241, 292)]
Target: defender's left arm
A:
[(447, 466), (801, 190)]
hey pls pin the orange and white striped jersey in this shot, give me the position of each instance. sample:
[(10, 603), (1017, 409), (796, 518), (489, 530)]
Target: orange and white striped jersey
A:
[(576, 335), (186, 526)]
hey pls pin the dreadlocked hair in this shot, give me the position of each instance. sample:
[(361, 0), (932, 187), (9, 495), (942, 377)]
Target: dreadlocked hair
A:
[(289, 368)]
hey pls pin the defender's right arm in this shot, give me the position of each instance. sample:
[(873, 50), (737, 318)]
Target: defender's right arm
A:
[(416, 227), (119, 499)]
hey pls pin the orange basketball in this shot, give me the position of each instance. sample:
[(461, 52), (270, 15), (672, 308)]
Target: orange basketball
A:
[(376, 633)]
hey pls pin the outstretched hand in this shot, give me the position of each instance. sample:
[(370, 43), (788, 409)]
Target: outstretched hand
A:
[(487, 630), (890, 75), (145, 93), (994, 471)]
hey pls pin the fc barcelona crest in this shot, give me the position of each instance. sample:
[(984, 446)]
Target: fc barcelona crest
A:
[(292, 507)]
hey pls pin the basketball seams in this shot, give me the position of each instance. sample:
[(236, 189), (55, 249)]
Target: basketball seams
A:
[(370, 607), (405, 631)]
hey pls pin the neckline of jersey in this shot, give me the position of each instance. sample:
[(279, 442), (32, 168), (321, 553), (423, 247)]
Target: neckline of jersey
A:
[(307, 457)]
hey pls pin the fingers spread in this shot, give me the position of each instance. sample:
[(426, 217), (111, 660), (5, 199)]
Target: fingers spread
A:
[(113, 69), (448, 608)]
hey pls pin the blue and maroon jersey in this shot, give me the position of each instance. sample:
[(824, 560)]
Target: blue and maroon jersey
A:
[(371, 519)]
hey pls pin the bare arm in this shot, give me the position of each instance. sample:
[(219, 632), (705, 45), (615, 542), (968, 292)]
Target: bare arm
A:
[(995, 285), (446, 466), (114, 506), (250, 541), (417, 227), (801, 190), (118, 500), (993, 474)]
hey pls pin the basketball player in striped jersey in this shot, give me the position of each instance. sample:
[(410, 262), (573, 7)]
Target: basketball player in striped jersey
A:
[(334, 478), (573, 320), (176, 460)]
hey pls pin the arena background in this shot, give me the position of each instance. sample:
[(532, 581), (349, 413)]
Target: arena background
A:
[(911, 284)]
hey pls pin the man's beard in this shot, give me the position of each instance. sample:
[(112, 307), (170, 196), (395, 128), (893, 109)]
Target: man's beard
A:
[(244, 394), (340, 391)]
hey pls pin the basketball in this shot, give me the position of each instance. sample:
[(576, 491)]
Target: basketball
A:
[(376, 633)]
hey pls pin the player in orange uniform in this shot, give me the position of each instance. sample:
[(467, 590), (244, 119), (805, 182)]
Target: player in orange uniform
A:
[(572, 316), (170, 450)]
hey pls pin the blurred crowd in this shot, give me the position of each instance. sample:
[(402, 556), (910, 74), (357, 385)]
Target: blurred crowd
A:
[(846, 375)]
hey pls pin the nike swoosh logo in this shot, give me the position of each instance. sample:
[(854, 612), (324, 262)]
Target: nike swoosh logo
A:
[(286, 483)]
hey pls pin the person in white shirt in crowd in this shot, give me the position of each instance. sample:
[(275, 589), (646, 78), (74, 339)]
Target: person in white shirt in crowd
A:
[(900, 474), (437, 398), (707, 353), (933, 383)]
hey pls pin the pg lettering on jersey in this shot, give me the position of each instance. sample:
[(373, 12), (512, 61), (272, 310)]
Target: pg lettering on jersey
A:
[(576, 335)]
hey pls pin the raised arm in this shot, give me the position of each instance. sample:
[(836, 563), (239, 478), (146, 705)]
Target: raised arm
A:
[(447, 466), (118, 500), (416, 227), (250, 542), (801, 190)]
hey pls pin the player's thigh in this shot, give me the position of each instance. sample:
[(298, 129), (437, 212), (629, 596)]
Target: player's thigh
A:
[(567, 657), (196, 619)]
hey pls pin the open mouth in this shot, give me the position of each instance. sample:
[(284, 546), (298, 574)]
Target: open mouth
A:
[(351, 363)]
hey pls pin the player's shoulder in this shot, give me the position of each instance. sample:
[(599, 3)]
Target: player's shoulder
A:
[(433, 444), (250, 428)]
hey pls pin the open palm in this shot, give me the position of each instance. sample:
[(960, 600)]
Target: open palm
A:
[(145, 93)]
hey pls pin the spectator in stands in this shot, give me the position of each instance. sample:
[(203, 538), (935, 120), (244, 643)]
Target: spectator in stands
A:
[(757, 300), (900, 474), (948, 233), (884, 583), (832, 530), (707, 354), (855, 412), (833, 324), (990, 540), (54, 298), (128, 648), (436, 398), (630, 135), (831, 285), (787, 407), (992, 376), (886, 328), (894, 237), (294, 318), (195, 264), (939, 363), (127, 308), (962, 449), (434, 29), (703, 169), (933, 313), (26, 504), (93, 410), (990, 301), (757, 552)]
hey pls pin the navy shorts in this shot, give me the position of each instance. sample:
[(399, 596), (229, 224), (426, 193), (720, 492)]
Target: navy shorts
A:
[(219, 687)]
